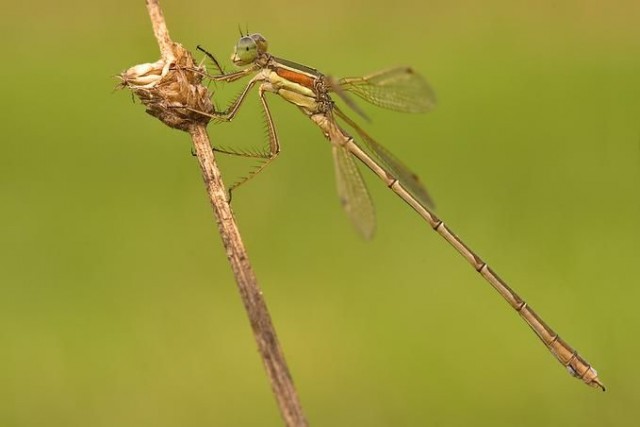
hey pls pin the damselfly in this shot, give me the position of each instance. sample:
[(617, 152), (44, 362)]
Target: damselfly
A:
[(400, 89)]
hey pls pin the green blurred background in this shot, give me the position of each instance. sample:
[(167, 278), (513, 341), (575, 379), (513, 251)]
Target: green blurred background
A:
[(117, 305)]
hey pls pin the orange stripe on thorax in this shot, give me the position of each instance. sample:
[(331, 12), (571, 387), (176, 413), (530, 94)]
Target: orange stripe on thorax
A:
[(295, 77)]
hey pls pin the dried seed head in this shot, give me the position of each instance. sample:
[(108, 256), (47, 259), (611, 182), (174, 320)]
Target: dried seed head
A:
[(171, 91), (142, 76)]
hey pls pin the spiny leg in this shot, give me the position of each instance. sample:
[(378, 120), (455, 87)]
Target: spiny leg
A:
[(238, 153), (262, 156), (226, 77), (212, 58), (222, 77), (274, 144), (232, 110)]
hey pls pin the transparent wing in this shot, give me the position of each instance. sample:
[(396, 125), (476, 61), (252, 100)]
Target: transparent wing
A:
[(353, 193), (399, 89), (340, 91), (391, 163)]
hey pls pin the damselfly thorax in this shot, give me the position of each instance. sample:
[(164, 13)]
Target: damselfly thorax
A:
[(302, 86)]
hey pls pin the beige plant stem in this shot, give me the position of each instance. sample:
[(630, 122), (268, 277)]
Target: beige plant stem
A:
[(163, 87)]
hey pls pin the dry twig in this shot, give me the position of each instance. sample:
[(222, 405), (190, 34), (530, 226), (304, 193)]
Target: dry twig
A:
[(164, 87)]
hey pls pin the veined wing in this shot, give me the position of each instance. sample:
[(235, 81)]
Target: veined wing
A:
[(399, 89), (354, 197), (391, 163)]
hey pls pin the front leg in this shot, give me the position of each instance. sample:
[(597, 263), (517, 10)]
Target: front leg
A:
[(235, 105), (231, 112), (226, 77)]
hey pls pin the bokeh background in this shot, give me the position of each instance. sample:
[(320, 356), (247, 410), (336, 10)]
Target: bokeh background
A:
[(117, 305)]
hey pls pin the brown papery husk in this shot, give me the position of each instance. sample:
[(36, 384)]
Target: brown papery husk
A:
[(171, 91)]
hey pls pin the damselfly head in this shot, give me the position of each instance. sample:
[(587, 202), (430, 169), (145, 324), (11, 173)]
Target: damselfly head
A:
[(249, 48)]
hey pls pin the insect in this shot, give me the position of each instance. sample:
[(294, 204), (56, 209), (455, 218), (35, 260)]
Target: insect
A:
[(400, 89)]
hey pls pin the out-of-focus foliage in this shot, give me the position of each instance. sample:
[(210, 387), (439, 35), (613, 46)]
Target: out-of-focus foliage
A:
[(117, 306)]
